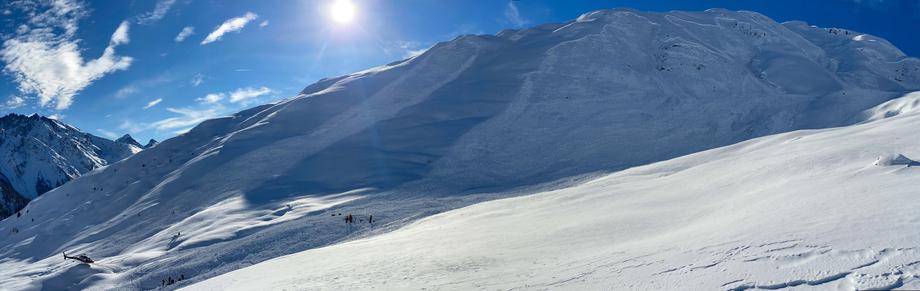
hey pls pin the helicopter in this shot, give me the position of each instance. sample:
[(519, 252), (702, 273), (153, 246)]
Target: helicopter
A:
[(82, 258)]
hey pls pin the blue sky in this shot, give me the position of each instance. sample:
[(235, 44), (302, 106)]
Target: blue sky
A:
[(115, 67)]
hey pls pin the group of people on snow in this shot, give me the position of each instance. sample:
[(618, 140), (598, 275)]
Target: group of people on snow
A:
[(350, 218), (170, 280)]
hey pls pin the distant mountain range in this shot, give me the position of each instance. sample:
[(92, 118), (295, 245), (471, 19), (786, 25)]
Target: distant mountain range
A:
[(38, 154), (127, 139)]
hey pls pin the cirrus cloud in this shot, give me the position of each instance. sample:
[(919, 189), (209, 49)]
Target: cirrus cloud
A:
[(159, 11), (153, 103), (185, 33), (230, 25)]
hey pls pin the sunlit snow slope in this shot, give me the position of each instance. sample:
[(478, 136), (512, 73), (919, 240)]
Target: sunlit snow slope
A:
[(820, 209), (472, 119)]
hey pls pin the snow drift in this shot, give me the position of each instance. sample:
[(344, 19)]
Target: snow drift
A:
[(475, 118)]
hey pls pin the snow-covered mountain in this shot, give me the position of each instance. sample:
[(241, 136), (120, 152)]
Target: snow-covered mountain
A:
[(38, 154), (830, 209), (128, 139), (476, 118)]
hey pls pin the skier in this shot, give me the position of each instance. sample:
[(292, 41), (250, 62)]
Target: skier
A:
[(370, 219)]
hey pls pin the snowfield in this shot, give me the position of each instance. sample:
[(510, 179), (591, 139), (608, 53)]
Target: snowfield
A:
[(533, 111), (807, 209)]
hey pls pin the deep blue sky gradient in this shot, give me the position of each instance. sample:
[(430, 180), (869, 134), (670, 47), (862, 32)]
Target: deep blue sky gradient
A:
[(301, 45)]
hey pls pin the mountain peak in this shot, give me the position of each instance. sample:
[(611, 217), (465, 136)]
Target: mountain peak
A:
[(127, 139), (151, 143), (26, 171)]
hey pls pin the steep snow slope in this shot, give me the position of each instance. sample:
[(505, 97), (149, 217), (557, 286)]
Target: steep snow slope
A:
[(807, 209), (38, 154), (476, 118)]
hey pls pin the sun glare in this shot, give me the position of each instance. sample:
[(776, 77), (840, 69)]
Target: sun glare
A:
[(342, 11)]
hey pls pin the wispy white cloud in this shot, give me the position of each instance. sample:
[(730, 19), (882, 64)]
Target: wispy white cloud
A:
[(159, 11), (106, 133), (132, 127), (245, 94), (210, 106), (153, 103), (231, 25), (197, 80), (211, 98), (185, 33), (412, 48), (44, 58), (14, 102), (241, 95), (125, 91), (513, 15), (263, 24), (187, 117)]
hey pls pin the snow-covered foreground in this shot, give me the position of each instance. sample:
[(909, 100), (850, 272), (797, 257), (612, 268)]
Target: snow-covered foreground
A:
[(807, 209)]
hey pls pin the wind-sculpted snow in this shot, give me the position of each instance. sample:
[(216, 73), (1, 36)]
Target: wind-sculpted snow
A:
[(476, 118), (800, 211)]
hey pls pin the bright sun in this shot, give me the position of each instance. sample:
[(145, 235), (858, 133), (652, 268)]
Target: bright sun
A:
[(342, 11)]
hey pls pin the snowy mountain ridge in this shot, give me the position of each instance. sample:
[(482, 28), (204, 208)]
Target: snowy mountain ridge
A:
[(473, 119), (40, 154), (128, 139)]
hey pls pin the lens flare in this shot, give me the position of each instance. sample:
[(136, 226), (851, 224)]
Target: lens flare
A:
[(342, 11)]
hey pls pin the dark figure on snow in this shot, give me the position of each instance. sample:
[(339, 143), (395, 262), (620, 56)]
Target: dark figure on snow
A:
[(81, 258), (370, 219)]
